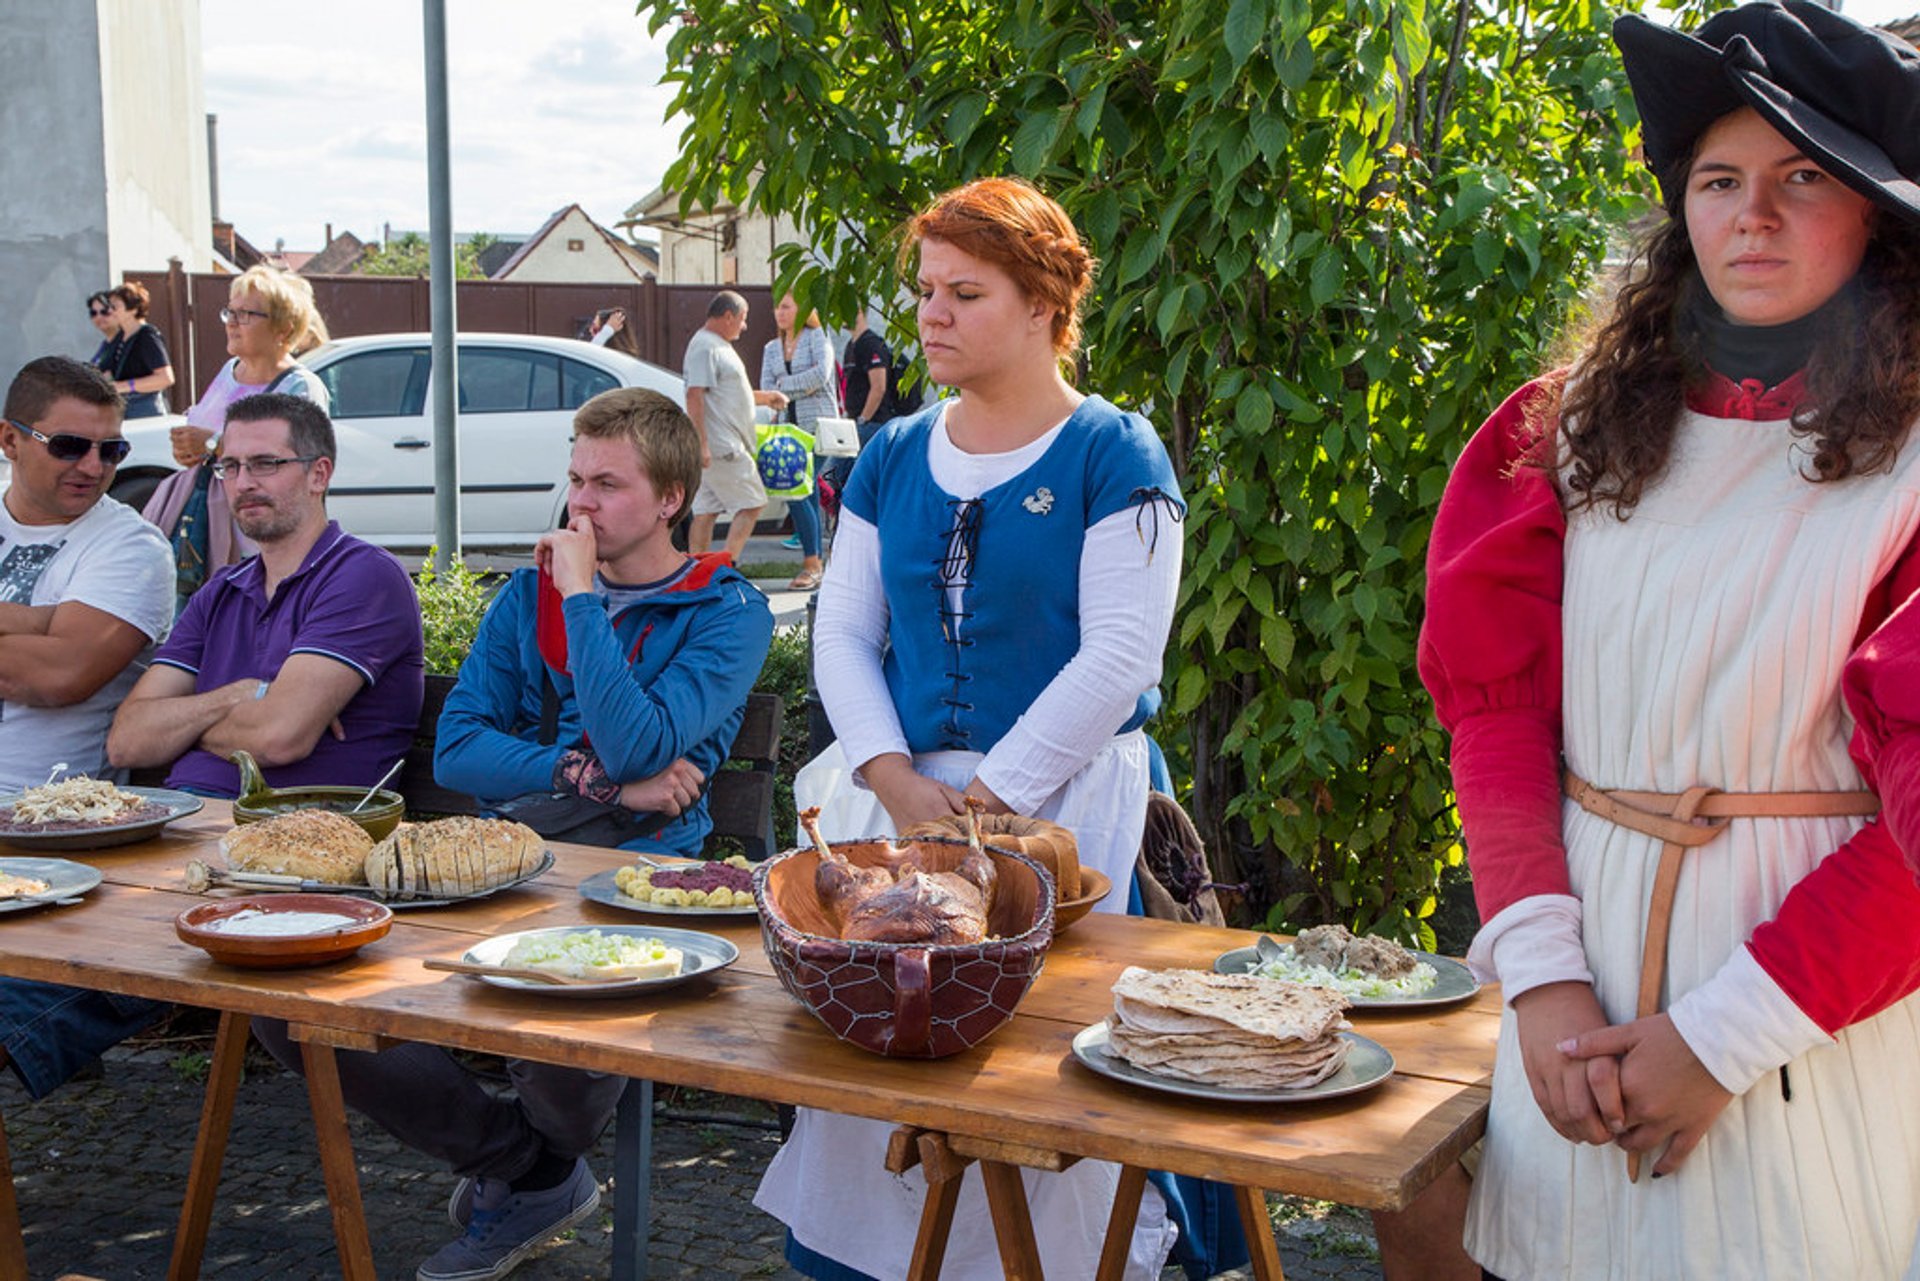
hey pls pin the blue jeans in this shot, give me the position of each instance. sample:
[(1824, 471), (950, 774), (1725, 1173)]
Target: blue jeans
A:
[(51, 1031), (806, 522)]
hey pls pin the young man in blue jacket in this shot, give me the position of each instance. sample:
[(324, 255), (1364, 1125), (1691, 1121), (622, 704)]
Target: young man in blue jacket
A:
[(651, 654)]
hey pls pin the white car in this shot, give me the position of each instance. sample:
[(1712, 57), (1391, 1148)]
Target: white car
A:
[(517, 397)]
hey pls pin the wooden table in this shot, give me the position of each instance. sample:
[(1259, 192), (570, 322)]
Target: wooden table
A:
[(738, 1032)]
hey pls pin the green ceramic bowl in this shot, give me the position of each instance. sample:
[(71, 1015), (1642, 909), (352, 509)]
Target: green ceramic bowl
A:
[(377, 818)]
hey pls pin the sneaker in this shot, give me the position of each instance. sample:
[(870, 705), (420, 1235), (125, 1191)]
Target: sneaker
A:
[(460, 1204), (505, 1226), (791, 544)]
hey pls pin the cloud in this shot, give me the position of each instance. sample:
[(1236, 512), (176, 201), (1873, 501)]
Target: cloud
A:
[(551, 103)]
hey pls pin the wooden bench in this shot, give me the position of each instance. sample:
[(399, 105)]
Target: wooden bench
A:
[(739, 797)]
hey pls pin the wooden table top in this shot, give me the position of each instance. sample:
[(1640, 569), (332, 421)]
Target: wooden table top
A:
[(739, 1032)]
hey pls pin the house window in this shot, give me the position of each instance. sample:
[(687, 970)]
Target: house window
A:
[(576, 246)]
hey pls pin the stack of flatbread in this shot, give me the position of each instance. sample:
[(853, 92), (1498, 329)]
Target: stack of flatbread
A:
[(1233, 1030)]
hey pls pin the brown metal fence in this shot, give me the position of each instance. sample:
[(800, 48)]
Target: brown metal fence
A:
[(186, 306)]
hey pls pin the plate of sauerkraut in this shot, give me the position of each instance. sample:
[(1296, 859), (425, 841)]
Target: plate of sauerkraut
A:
[(622, 959), (81, 813)]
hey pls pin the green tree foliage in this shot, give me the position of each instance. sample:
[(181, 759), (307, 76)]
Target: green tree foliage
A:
[(407, 255), (1335, 232)]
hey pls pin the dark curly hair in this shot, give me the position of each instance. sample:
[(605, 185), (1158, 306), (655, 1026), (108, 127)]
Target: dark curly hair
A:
[(1621, 405)]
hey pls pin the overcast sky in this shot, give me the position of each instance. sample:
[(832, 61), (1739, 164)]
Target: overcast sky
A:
[(323, 113), (323, 116)]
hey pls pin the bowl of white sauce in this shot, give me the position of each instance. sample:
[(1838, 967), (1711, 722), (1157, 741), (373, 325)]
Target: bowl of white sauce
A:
[(283, 931)]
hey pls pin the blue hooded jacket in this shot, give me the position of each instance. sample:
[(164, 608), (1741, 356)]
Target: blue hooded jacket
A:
[(663, 679)]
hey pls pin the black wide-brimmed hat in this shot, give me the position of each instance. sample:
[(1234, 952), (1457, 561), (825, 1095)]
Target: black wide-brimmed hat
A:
[(1848, 96)]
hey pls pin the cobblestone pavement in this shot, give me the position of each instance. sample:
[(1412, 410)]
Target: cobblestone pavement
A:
[(99, 1169)]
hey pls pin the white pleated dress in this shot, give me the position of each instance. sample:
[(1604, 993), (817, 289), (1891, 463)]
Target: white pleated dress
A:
[(1704, 641)]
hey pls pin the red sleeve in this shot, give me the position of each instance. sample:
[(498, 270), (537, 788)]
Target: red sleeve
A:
[(1490, 657), (1846, 943)]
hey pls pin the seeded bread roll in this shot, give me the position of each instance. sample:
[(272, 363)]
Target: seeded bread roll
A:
[(453, 857), (319, 845), (1048, 844)]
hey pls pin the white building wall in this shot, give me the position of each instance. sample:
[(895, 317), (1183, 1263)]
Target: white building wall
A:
[(155, 112), (553, 262), (53, 204)]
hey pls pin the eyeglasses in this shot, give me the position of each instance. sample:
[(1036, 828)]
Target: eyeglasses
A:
[(65, 447), (241, 316), (98, 311), (258, 468)]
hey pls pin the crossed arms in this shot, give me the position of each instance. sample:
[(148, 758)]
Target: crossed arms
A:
[(163, 718)]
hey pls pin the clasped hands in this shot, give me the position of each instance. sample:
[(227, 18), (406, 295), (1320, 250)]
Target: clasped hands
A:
[(1636, 1085)]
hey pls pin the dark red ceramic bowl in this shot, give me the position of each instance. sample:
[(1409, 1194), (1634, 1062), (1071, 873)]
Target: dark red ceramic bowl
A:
[(281, 944)]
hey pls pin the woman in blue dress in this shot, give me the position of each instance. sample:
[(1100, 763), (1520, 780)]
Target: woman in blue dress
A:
[(992, 624)]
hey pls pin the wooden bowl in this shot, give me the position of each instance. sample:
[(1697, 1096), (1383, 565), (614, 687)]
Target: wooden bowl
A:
[(377, 818), (366, 921), (1094, 886), (905, 1000)]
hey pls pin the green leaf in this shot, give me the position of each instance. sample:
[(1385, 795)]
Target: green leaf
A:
[(1246, 23), (1329, 273), (1034, 139), (964, 116), (1253, 410)]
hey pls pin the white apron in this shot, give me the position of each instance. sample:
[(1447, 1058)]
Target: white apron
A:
[(829, 1183), (1704, 640)]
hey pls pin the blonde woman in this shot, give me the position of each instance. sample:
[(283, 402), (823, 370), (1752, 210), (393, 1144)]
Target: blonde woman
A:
[(270, 316)]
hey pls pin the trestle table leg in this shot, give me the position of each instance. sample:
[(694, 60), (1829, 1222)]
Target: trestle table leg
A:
[(1252, 1203), (1012, 1221), (336, 1161), (209, 1147), (632, 1181), (13, 1245), (1126, 1213)]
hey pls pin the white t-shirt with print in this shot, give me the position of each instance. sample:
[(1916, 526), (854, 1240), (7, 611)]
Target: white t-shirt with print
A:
[(115, 562)]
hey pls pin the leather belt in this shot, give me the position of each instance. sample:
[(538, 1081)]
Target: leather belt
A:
[(1684, 821)]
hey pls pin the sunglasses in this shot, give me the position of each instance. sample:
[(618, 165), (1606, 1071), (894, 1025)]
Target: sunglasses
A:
[(68, 448), (97, 311)]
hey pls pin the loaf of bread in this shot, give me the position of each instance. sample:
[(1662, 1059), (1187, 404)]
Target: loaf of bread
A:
[(453, 857), (316, 844), (1048, 844)]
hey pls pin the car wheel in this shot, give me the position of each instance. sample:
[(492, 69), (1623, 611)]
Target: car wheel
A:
[(135, 490)]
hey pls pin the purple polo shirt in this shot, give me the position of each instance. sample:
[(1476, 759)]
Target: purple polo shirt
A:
[(349, 601)]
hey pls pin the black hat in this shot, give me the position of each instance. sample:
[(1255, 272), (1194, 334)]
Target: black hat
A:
[(1848, 96)]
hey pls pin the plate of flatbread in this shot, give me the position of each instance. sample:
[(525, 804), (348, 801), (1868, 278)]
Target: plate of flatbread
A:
[(1230, 1037)]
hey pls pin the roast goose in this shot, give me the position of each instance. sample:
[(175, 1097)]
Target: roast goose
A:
[(899, 901)]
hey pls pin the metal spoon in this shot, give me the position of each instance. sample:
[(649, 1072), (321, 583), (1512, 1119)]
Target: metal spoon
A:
[(377, 786)]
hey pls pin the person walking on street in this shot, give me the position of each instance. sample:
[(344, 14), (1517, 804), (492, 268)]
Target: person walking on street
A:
[(798, 361), (720, 401)]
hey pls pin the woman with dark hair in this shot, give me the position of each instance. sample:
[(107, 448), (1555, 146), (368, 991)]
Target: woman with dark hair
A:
[(992, 626), (1669, 628), (141, 369), (100, 312)]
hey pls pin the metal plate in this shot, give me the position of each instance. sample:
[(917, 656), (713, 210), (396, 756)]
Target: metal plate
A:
[(1368, 1063), (179, 805), (701, 954), (64, 878), (599, 888), (400, 904), (1452, 981)]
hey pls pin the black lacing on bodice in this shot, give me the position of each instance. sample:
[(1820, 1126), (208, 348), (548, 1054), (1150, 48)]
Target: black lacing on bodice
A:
[(954, 569)]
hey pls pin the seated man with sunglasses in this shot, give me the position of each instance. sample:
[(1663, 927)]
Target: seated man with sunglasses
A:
[(86, 589), (307, 655)]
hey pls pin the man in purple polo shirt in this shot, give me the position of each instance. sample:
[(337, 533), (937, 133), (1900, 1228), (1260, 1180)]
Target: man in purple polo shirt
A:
[(307, 656)]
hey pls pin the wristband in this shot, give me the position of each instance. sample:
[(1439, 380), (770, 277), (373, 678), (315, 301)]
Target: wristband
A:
[(260, 690)]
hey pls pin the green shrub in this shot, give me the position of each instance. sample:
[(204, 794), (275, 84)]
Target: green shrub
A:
[(785, 674), (451, 605)]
